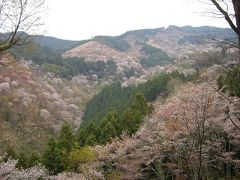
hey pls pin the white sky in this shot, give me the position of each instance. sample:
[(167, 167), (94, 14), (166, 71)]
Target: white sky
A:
[(84, 19)]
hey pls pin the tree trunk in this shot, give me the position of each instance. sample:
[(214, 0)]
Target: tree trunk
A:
[(199, 173), (228, 165), (200, 163), (236, 6)]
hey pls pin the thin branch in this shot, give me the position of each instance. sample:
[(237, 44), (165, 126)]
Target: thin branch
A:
[(226, 16)]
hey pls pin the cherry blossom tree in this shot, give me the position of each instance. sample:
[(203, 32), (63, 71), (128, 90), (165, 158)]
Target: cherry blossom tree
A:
[(194, 128)]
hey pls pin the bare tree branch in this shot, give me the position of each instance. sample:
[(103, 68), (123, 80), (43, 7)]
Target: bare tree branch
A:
[(18, 18), (226, 16)]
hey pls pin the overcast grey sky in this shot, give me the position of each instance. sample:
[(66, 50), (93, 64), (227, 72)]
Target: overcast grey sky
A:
[(84, 19)]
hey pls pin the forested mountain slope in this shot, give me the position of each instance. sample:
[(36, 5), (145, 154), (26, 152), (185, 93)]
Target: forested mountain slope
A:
[(122, 107)]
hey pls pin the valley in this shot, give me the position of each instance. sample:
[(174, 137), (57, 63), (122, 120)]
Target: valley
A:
[(120, 107)]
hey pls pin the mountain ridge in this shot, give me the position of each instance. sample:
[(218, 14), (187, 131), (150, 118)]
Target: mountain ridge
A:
[(52, 40), (127, 52)]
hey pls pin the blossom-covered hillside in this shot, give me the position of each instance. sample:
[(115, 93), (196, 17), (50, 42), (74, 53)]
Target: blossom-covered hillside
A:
[(148, 104), (193, 134), (35, 104)]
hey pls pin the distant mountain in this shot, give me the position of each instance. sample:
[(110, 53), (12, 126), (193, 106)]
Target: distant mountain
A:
[(142, 33), (55, 43), (202, 31), (215, 32), (132, 53), (52, 42), (34, 103), (145, 48)]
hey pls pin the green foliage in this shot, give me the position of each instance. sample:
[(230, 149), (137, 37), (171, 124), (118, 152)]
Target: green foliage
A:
[(52, 61), (25, 160), (80, 156), (56, 69), (100, 133), (117, 109), (230, 81), (34, 159), (113, 175), (148, 49), (133, 116), (156, 86), (89, 138), (140, 104), (66, 139), (44, 54), (54, 159), (22, 161), (109, 127), (155, 56), (5, 114), (38, 42), (117, 98), (10, 153), (56, 44), (75, 66), (113, 124), (113, 42), (220, 81), (112, 97), (63, 154)]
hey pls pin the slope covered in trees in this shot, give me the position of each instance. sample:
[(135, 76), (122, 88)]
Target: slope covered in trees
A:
[(155, 56), (52, 61), (119, 110), (113, 42), (188, 137), (229, 82), (113, 124), (117, 98)]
